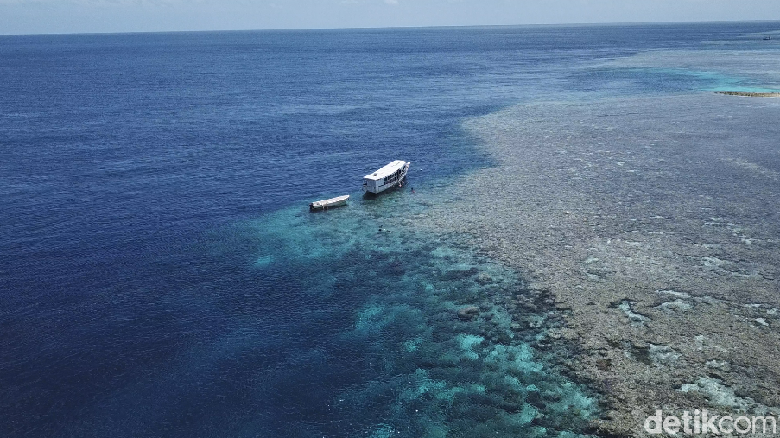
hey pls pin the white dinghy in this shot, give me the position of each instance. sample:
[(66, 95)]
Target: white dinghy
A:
[(329, 203)]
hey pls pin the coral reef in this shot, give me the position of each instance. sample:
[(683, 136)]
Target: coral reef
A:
[(652, 226), (445, 341), (750, 93)]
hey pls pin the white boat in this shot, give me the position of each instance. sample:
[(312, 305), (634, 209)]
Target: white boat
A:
[(329, 203), (386, 177)]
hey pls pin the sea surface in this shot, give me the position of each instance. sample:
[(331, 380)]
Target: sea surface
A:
[(160, 274)]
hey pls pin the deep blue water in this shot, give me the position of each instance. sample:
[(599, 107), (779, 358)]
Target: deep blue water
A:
[(160, 276)]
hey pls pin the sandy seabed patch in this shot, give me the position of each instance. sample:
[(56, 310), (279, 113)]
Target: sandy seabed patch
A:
[(654, 224)]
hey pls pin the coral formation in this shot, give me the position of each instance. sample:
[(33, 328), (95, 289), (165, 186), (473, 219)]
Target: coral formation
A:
[(652, 224)]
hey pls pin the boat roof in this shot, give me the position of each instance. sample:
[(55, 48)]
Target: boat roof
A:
[(386, 170)]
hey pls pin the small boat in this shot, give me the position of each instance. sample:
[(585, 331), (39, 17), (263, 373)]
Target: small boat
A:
[(387, 177), (329, 203), (767, 38)]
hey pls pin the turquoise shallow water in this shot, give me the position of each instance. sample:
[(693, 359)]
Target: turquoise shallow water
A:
[(161, 275), (425, 372)]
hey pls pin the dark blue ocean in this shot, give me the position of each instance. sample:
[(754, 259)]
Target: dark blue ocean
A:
[(160, 275)]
